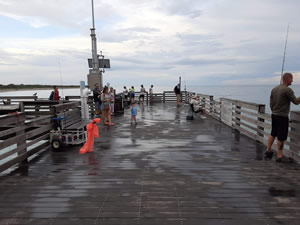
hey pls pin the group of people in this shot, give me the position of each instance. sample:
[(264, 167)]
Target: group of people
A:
[(104, 103), (129, 95), (280, 99)]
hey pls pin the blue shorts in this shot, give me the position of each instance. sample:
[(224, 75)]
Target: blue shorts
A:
[(97, 106)]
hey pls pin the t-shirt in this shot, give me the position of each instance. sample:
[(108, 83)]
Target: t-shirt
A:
[(143, 91), (150, 91), (96, 93), (133, 111), (112, 97), (280, 100), (177, 89), (56, 95), (196, 104), (105, 98)]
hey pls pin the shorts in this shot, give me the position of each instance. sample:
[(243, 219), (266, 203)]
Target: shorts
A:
[(142, 96), (280, 127), (97, 106), (133, 117)]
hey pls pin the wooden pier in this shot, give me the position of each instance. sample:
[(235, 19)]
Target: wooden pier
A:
[(164, 170)]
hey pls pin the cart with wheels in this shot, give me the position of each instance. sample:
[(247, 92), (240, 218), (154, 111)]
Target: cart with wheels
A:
[(69, 129)]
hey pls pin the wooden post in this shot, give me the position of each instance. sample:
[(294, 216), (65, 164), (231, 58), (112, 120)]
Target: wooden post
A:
[(295, 132), (261, 110), (21, 105), (22, 136), (237, 112), (211, 104), (147, 100), (164, 97)]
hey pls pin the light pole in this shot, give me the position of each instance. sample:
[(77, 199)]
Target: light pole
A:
[(95, 75)]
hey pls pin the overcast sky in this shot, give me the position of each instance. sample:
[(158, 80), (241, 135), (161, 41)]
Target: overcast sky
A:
[(206, 42)]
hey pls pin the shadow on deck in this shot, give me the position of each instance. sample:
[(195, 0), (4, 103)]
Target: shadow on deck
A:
[(165, 170)]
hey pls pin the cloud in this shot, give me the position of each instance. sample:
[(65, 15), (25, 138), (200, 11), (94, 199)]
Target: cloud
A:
[(236, 42), (188, 8)]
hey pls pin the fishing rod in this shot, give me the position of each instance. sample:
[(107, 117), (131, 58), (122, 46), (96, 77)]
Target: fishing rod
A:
[(284, 53), (61, 81)]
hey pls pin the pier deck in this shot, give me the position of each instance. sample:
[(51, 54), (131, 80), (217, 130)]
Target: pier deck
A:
[(166, 170)]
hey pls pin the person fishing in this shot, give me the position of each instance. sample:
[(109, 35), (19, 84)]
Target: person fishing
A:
[(177, 93), (54, 96), (280, 100)]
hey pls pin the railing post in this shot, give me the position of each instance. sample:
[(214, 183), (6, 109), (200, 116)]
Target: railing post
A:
[(260, 129), (147, 100), (295, 132), (164, 97), (22, 136), (21, 105), (237, 112), (211, 104), (181, 96)]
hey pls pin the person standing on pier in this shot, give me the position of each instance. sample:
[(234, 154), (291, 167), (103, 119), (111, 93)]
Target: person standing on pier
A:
[(142, 94), (112, 100), (151, 93), (105, 99), (54, 96), (97, 99), (280, 99), (133, 113), (132, 94), (177, 92), (125, 94)]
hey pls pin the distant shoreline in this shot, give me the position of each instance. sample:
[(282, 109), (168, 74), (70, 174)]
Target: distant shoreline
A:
[(12, 89)]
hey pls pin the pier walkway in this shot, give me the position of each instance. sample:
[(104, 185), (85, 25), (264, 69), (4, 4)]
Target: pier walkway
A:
[(165, 170)]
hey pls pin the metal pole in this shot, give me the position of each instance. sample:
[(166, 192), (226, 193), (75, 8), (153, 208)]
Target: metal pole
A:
[(93, 14), (180, 82)]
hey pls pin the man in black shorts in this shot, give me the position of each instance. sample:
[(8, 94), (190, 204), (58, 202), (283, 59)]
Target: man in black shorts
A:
[(281, 97)]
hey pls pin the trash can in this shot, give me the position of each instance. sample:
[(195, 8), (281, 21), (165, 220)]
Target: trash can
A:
[(119, 104)]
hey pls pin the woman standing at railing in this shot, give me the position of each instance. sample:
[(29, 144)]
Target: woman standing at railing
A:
[(105, 98)]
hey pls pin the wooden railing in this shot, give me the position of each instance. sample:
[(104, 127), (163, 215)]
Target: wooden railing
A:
[(27, 131), (21, 137), (251, 120)]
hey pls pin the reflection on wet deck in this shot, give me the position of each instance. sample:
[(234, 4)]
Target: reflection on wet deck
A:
[(165, 170)]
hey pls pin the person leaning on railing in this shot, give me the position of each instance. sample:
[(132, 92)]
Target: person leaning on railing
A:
[(280, 100)]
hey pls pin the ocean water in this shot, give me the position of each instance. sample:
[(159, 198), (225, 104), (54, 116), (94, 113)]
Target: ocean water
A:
[(259, 94)]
